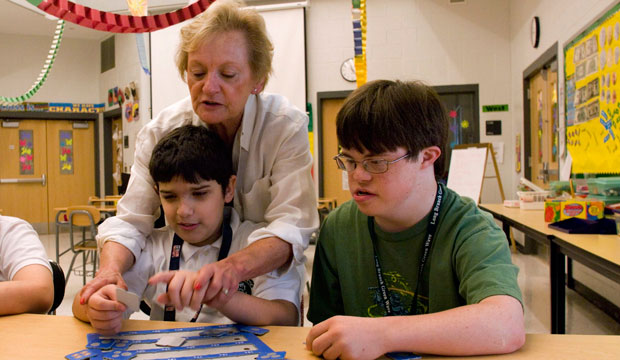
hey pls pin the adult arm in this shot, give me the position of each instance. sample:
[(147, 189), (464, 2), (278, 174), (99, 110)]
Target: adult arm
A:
[(284, 199), (30, 291), (493, 326), (115, 259)]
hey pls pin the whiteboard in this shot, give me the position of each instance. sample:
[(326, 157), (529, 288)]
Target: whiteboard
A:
[(467, 171), (287, 33)]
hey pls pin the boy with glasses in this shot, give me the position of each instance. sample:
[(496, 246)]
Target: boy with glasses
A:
[(407, 265)]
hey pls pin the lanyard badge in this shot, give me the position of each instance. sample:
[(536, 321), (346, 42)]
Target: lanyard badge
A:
[(428, 241)]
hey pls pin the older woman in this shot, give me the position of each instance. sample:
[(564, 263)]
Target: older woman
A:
[(225, 57)]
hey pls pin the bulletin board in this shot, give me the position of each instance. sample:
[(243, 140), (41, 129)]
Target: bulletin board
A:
[(592, 75)]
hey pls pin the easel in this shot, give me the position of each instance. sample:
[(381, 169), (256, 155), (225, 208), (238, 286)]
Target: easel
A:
[(489, 148)]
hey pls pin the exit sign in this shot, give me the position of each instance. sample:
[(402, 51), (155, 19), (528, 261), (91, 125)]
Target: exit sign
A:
[(493, 108)]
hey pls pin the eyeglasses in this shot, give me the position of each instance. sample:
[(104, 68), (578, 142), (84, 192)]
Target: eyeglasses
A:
[(375, 166)]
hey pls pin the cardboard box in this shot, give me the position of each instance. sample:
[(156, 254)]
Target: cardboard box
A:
[(556, 209)]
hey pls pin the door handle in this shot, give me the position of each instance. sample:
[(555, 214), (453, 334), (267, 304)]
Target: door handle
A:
[(42, 180)]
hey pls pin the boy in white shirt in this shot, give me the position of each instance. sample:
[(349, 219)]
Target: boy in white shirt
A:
[(192, 168), (26, 283)]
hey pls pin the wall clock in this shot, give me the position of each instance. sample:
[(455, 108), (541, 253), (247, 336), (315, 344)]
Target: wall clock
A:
[(347, 70), (535, 31)]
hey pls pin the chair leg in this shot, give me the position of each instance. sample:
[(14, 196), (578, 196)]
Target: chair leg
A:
[(70, 268), (83, 268)]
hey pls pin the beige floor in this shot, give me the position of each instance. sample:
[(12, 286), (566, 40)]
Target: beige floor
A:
[(581, 316)]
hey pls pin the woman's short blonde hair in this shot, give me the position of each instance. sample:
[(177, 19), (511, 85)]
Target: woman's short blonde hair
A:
[(223, 16)]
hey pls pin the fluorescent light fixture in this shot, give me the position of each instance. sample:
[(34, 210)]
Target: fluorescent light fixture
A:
[(28, 6), (281, 6)]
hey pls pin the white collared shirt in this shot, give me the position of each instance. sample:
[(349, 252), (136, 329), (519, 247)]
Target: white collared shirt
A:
[(156, 258), (20, 246), (273, 167)]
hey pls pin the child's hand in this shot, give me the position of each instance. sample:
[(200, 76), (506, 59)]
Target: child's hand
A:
[(104, 311), (345, 337), (181, 292)]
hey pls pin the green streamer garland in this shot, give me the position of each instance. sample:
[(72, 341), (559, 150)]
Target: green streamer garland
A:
[(44, 72)]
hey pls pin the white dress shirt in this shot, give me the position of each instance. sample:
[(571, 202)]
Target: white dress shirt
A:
[(19, 246), (273, 166), (156, 258)]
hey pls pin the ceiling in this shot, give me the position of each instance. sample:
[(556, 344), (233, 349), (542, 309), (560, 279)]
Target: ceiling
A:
[(28, 20)]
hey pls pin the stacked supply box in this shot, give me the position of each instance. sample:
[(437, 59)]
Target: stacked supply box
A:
[(561, 209)]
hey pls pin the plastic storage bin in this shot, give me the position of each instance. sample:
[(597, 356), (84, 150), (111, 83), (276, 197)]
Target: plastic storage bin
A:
[(532, 200), (556, 188), (607, 200), (607, 186)]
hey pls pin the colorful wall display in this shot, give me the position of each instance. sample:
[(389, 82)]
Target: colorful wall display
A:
[(26, 152), (592, 71), (66, 152), (128, 100), (359, 39)]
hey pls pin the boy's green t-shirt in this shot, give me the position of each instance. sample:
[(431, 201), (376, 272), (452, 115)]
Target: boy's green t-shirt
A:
[(469, 261)]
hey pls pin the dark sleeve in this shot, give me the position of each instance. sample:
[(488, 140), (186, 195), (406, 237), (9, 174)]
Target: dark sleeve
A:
[(325, 295)]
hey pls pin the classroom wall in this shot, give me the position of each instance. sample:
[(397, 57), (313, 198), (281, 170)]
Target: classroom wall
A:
[(559, 21), (67, 82), (127, 69), (434, 41)]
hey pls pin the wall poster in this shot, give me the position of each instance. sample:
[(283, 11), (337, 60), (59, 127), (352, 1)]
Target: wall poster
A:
[(592, 71), (66, 152), (26, 152)]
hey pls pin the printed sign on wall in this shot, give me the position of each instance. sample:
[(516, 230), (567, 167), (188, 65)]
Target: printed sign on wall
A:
[(66, 152), (26, 152)]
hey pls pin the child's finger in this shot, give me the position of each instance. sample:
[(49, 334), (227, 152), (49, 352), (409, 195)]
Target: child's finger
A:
[(163, 299), (162, 277), (175, 286), (187, 291)]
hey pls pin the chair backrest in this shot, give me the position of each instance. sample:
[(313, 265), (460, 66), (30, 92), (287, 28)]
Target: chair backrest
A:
[(59, 285), (83, 215)]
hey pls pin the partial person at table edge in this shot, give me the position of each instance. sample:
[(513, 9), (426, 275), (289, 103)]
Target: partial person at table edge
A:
[(225, 57), (26, 282)]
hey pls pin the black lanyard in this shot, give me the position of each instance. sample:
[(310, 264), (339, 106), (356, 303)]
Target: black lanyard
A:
[(175, 258), (430, 233)]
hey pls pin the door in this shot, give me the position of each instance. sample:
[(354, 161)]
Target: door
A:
[(461, 103), (23, 166), (71, 164), (544, 136), (335, 181), (45, 149)]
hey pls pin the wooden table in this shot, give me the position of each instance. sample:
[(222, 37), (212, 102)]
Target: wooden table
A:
[(30, 336), (601, 253)]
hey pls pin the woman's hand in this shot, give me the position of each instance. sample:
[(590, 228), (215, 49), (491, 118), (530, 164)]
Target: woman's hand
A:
[(180, 291), (104, 312), (219, 281), (114, 260)]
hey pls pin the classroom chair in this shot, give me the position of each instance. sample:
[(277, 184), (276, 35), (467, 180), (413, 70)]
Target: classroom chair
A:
[(85, 217), (59, 286)]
